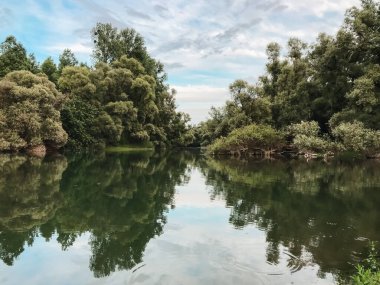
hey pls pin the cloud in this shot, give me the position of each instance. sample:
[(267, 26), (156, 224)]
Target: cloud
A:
[(74, 47), (135, 13), (196, 100), (205, 44), (161, 10), (173, 65)]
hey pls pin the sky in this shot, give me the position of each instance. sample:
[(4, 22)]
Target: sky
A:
[(205, 45)]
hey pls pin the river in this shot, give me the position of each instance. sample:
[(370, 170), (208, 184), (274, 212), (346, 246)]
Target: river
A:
[(182, 218)]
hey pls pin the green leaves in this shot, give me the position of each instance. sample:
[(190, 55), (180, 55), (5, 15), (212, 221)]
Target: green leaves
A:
[(354, 136), (29, 112), (248, 139)]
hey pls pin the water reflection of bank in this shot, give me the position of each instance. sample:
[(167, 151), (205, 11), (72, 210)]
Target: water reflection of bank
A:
[(121, 200), (321, 213), (311, 213)]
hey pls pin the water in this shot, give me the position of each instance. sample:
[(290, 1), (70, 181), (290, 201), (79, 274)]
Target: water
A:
[(181, 218)]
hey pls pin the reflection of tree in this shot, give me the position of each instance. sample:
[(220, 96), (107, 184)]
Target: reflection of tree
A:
[(120, 199), (317, 211), (29, 195)]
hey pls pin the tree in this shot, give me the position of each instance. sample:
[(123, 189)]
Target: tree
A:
[(29, 112), (67, 58), (13, 56), (50, 69), (111, 44)]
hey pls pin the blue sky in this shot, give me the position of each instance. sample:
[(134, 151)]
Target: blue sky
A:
[(205, 45)]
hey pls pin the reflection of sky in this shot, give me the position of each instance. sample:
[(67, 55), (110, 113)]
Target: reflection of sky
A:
[(198, 246)]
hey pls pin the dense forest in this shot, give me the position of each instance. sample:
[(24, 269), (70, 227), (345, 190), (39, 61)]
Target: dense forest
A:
[(314, 98), (122, 98), (317, 97)]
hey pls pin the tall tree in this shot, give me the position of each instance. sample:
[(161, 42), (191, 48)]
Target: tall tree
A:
[(67, 58), (50, 69), (13, 56)]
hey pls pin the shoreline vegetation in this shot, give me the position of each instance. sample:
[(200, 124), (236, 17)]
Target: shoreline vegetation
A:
[(317, 99), (299, 139)]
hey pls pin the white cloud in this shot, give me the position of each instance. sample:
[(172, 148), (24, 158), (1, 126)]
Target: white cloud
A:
[(321, 7), (201, 93), (198, 99), (75, 48), (206, 44)]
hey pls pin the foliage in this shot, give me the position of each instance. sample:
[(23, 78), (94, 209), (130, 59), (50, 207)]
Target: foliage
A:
[(354, 136), (67, 58), (306, 137), (50, 69), (245, 108), (124, 104), (122, 99), (13, 57), (332, 81), (249, 138), (29, 112), (369, 272)]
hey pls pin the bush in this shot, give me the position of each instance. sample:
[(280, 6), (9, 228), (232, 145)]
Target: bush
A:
[(252, 137), (29, 112), (306, 137), (355, 137)]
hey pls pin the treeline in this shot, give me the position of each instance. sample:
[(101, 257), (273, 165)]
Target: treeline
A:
[(122, 98), (319, 97)]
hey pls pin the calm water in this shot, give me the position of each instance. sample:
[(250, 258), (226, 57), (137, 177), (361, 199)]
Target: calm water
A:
[(178, 218)]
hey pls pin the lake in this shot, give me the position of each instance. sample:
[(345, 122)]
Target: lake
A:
[(182, 218)]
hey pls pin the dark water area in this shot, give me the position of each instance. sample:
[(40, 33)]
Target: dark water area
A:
[(183, 218)]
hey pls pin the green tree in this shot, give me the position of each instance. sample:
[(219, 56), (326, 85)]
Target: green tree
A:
[(29, 112), (13, 56), (67, 58), (50, 69)]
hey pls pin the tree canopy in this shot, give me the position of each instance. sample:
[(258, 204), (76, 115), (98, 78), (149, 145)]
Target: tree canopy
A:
[(123, 98), (332, 84), (29, 112)]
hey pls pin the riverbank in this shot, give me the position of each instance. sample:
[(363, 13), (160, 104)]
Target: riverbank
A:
[(299, 139)]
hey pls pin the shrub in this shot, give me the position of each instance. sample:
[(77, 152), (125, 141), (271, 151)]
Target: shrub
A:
[(252, 137), (355, 137), (306, 137), (29, 112)]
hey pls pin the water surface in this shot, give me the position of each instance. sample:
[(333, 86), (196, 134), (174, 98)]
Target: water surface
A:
[(181, 218)]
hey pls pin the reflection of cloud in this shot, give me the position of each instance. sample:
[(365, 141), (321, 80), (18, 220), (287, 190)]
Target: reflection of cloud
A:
[(192, 196)]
